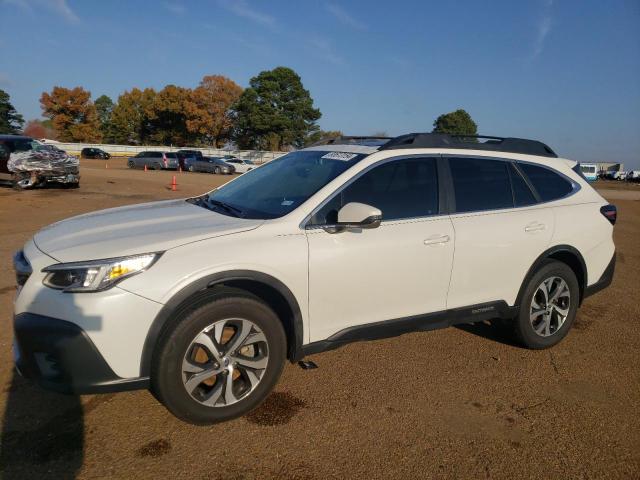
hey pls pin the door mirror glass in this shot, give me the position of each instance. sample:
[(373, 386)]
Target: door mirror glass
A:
[(356, 215)]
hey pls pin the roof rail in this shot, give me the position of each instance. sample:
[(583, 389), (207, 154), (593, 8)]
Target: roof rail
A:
[(353, 140), (470, 142)]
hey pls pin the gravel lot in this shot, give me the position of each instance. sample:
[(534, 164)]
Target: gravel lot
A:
[(456, 403)]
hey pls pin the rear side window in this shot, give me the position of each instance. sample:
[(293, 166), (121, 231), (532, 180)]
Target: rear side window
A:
[(480, 184), (548, 184), (400, 189)]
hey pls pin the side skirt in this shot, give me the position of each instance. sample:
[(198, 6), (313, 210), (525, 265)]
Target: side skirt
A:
[(417, 323)]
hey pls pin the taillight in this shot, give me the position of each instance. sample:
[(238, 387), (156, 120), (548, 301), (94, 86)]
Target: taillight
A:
[(164, 158), (610, 212)]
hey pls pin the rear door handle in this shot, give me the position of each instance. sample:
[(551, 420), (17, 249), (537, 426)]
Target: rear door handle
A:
[(535, 227), (437, 240)]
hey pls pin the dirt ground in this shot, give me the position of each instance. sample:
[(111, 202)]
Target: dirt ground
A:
[(456, 403)]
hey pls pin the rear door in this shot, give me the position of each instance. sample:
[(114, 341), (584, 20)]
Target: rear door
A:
[(500, 230)]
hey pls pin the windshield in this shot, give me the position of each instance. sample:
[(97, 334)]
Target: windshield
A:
[(280, 186)]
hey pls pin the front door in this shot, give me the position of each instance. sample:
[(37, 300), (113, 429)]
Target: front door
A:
[(397, 270)]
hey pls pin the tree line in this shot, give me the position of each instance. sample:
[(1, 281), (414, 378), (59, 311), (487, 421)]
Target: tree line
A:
[(275, 112)]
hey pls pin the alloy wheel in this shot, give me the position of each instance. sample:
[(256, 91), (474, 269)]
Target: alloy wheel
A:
[(225, 362), (550, 306)]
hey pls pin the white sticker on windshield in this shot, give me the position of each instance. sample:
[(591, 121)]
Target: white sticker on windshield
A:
[(344, 156)]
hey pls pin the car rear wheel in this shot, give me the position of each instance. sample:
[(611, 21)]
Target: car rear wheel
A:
[(219, 360), (548, 307)]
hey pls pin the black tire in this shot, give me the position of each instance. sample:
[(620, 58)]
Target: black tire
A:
[(524, 329), (216, 170), (131, 164), (157, 166), (166, 367), (191, 169)]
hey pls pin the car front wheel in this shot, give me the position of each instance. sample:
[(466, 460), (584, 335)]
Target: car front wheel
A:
[(548, 307), (219, 360)]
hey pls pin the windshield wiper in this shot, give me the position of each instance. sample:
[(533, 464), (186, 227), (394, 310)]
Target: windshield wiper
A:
[(225, 206)]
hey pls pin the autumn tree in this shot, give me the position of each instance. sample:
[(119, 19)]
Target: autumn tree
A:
[(40, 129), (168, 118), (274, 112), (458, 123), (130, 117), (321, 135), (104, 107), (73, 114), (10, 120), (208, 109)]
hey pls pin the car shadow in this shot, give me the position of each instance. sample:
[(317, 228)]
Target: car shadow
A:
[(495, 330), (42, 433)]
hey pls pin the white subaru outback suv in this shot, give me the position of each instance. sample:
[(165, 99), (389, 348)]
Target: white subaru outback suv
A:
[(203, 299)]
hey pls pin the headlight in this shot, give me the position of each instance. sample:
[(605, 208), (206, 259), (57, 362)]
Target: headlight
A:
[(96, 275)]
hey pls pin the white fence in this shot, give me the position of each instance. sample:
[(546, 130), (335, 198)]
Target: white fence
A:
[(257, 156)]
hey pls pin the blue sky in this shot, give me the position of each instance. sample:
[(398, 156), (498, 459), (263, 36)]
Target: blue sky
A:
[(565, 72)]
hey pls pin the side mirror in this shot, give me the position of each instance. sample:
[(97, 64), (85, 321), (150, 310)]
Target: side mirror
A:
[(356, 215)]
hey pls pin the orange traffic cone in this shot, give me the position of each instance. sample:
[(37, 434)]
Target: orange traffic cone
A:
[(174, 184), (145, 168), (106, 165)]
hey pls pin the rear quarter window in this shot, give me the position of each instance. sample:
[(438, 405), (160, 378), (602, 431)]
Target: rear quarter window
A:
[(549, 184)]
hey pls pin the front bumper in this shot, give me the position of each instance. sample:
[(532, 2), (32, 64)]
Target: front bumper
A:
[(60, 356)]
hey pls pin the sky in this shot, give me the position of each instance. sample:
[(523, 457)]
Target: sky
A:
[(564, 72)]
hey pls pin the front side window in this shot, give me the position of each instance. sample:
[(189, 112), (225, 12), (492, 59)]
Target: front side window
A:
[(400, 189), (280, 186), (549, 185), (480, 184)]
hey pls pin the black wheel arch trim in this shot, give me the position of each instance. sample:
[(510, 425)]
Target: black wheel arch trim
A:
[(582, 282), (208, 281)]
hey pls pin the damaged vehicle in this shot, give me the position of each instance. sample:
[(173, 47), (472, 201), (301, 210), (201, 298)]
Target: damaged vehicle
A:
[(27, 163)]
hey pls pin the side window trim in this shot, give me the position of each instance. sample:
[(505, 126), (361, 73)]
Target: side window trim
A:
[(527, 181), (436, 156), (575, 187)]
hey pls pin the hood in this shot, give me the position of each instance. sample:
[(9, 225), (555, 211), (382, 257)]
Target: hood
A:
[(144, 228)]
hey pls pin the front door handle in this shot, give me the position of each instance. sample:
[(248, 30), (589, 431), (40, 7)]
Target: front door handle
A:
[(437, 240), (535, 227)]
